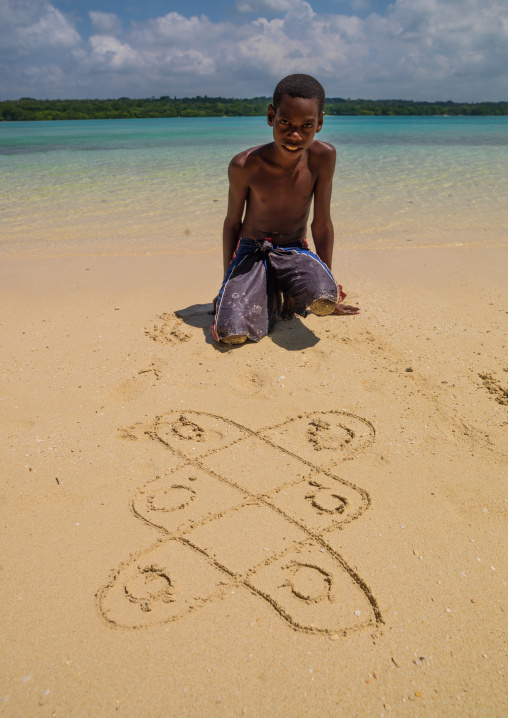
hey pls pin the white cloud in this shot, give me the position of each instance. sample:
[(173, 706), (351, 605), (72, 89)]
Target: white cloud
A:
[(39, 49), (50, 29), (105, 23), (110, 55), (420, 49), (27, 27)]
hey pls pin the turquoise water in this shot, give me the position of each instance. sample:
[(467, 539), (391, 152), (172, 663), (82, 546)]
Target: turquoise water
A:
[(107, 186)]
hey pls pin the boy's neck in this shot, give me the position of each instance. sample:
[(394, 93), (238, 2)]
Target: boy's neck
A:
[(283, 161)]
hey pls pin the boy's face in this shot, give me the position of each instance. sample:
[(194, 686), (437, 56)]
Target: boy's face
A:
[(295, 122)]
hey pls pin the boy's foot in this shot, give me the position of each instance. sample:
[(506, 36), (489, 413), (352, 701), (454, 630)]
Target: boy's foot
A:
[(234, 339), (322, 307)]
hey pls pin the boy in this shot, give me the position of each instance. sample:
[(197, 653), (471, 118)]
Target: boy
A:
[(275, 185)]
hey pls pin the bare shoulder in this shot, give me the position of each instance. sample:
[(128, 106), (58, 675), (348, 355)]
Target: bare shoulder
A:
[(243, 159), (322, 154)]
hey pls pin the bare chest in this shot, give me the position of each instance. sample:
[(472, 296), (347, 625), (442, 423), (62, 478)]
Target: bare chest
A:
[(282, 188)]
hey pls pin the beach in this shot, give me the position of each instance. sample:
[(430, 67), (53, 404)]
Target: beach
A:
[(311, 525), (385, 599)]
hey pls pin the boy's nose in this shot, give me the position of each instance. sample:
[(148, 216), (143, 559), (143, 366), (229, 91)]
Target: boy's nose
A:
[(295, 134)]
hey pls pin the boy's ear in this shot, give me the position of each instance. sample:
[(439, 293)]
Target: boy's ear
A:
[(271, 114), (320, 122)]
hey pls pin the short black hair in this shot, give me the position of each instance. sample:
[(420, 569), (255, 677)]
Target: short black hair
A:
[(304, 86)]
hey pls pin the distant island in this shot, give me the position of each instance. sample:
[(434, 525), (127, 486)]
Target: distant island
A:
[(28, 108)]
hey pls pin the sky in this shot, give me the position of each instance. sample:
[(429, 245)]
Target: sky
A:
[(372, 49)]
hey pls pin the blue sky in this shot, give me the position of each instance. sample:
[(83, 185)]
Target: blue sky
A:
[(216, 10), (411, 49)]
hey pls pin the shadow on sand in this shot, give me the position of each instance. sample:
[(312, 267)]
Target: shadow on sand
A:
[(291, 335)]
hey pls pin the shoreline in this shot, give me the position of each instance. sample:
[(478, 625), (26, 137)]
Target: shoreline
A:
[(408, 245)]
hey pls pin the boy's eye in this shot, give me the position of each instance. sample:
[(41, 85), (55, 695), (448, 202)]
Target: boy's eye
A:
[(284, 122)]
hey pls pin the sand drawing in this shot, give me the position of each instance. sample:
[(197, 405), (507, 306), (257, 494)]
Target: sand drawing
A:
[(248, 510)]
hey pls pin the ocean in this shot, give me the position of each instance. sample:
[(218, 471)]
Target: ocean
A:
[(160, 185)]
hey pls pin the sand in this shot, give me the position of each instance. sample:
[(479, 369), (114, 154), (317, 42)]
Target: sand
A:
[(314, 525)]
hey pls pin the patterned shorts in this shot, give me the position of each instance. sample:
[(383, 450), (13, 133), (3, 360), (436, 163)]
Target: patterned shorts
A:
[(249, 301)]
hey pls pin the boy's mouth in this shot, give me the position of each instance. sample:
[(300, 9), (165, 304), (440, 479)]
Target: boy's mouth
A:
[(292, 148)]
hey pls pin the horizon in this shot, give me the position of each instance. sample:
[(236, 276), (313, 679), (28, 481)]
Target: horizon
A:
[(249, 99)]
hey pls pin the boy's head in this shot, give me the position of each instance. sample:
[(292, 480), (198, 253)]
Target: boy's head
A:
[(303, 86), (296, 114)]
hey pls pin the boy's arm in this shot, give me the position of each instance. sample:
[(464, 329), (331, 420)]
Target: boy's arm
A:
[(238, 190), (322, 226)]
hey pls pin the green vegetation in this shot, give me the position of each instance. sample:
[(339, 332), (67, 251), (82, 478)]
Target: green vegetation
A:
[(29, 109)]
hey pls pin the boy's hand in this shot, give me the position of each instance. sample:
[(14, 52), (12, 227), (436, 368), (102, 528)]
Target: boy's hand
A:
[(344, 308), (288, 307), (213, 311)]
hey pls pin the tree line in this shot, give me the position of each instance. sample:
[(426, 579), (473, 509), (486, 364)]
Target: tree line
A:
[(28, 108)]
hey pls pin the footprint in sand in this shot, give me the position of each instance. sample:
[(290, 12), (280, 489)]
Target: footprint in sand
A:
[(495, 389), (248, 510), (253, 381), (168, 330), (134, 432), (136, 385)]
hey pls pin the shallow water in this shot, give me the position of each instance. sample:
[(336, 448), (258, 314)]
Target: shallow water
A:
[(108, 186)]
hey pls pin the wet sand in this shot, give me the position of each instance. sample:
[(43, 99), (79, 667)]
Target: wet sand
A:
[(312, 525)]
